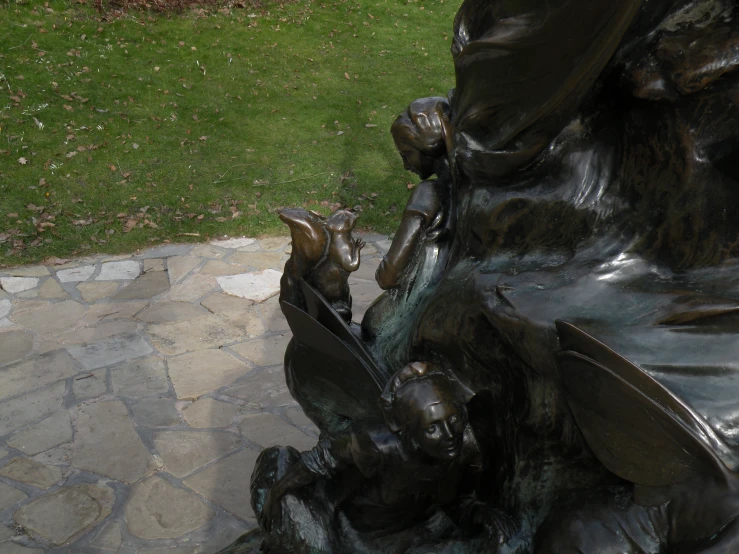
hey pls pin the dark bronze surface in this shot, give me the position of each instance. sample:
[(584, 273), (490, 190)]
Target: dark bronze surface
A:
[(553, 367)]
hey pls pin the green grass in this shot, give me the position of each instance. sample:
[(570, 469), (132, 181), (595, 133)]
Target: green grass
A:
[(152, 128)]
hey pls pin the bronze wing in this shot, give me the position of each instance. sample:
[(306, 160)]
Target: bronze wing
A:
[(328, 369), (636, 427)]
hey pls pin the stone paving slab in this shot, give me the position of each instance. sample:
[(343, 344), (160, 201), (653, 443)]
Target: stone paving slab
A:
[(136, 392)]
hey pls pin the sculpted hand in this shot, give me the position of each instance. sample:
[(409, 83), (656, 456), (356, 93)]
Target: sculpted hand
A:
[(359, 244)]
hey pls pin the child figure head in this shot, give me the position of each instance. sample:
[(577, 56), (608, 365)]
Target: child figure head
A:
[(425, 404), (341, 221), (419, 134)]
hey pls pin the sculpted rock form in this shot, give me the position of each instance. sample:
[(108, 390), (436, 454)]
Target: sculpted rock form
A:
[(572, 270)]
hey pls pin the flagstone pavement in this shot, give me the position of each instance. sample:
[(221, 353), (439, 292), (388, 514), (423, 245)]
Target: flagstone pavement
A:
[(137, 391)]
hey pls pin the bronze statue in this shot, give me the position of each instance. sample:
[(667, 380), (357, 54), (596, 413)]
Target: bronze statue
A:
[(576, 261), (380, 488)]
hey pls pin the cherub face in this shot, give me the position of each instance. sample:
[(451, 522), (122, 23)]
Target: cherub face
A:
[(440, 430)]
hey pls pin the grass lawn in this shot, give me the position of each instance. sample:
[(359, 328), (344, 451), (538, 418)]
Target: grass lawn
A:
[(124, 133)]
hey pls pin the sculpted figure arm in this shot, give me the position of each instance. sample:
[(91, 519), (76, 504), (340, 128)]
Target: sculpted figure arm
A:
[(396, 260), (347, 251), (422, 216), (324, 461)]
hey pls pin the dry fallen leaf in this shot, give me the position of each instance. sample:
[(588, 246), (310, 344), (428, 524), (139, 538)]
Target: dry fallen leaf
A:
[(112, 167), (130, 224), (22, 161)]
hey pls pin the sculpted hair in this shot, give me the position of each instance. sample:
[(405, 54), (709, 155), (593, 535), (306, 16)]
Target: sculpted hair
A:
[(421, 125), (414, 381)]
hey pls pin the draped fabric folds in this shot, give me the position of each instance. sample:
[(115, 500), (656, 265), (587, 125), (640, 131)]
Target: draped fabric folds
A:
[(522, 69)]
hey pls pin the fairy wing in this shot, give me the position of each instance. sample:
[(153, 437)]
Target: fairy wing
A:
[(322, 311), (326, 375), (636, 427)]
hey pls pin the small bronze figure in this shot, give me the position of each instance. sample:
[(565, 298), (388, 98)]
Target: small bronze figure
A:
[(372, 485), (342, 257), (324, 254), (422, 135)]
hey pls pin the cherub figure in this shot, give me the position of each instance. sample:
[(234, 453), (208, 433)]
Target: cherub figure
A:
[(383, 489), (422, 135)]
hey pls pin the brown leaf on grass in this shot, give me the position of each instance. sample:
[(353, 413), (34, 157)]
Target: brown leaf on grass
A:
[(67, 97), (42, 182), (130, 224), (82, 222), (22, 161), (68, 108), (346, 76), (204, 138), (112, 167), (15, 99)]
